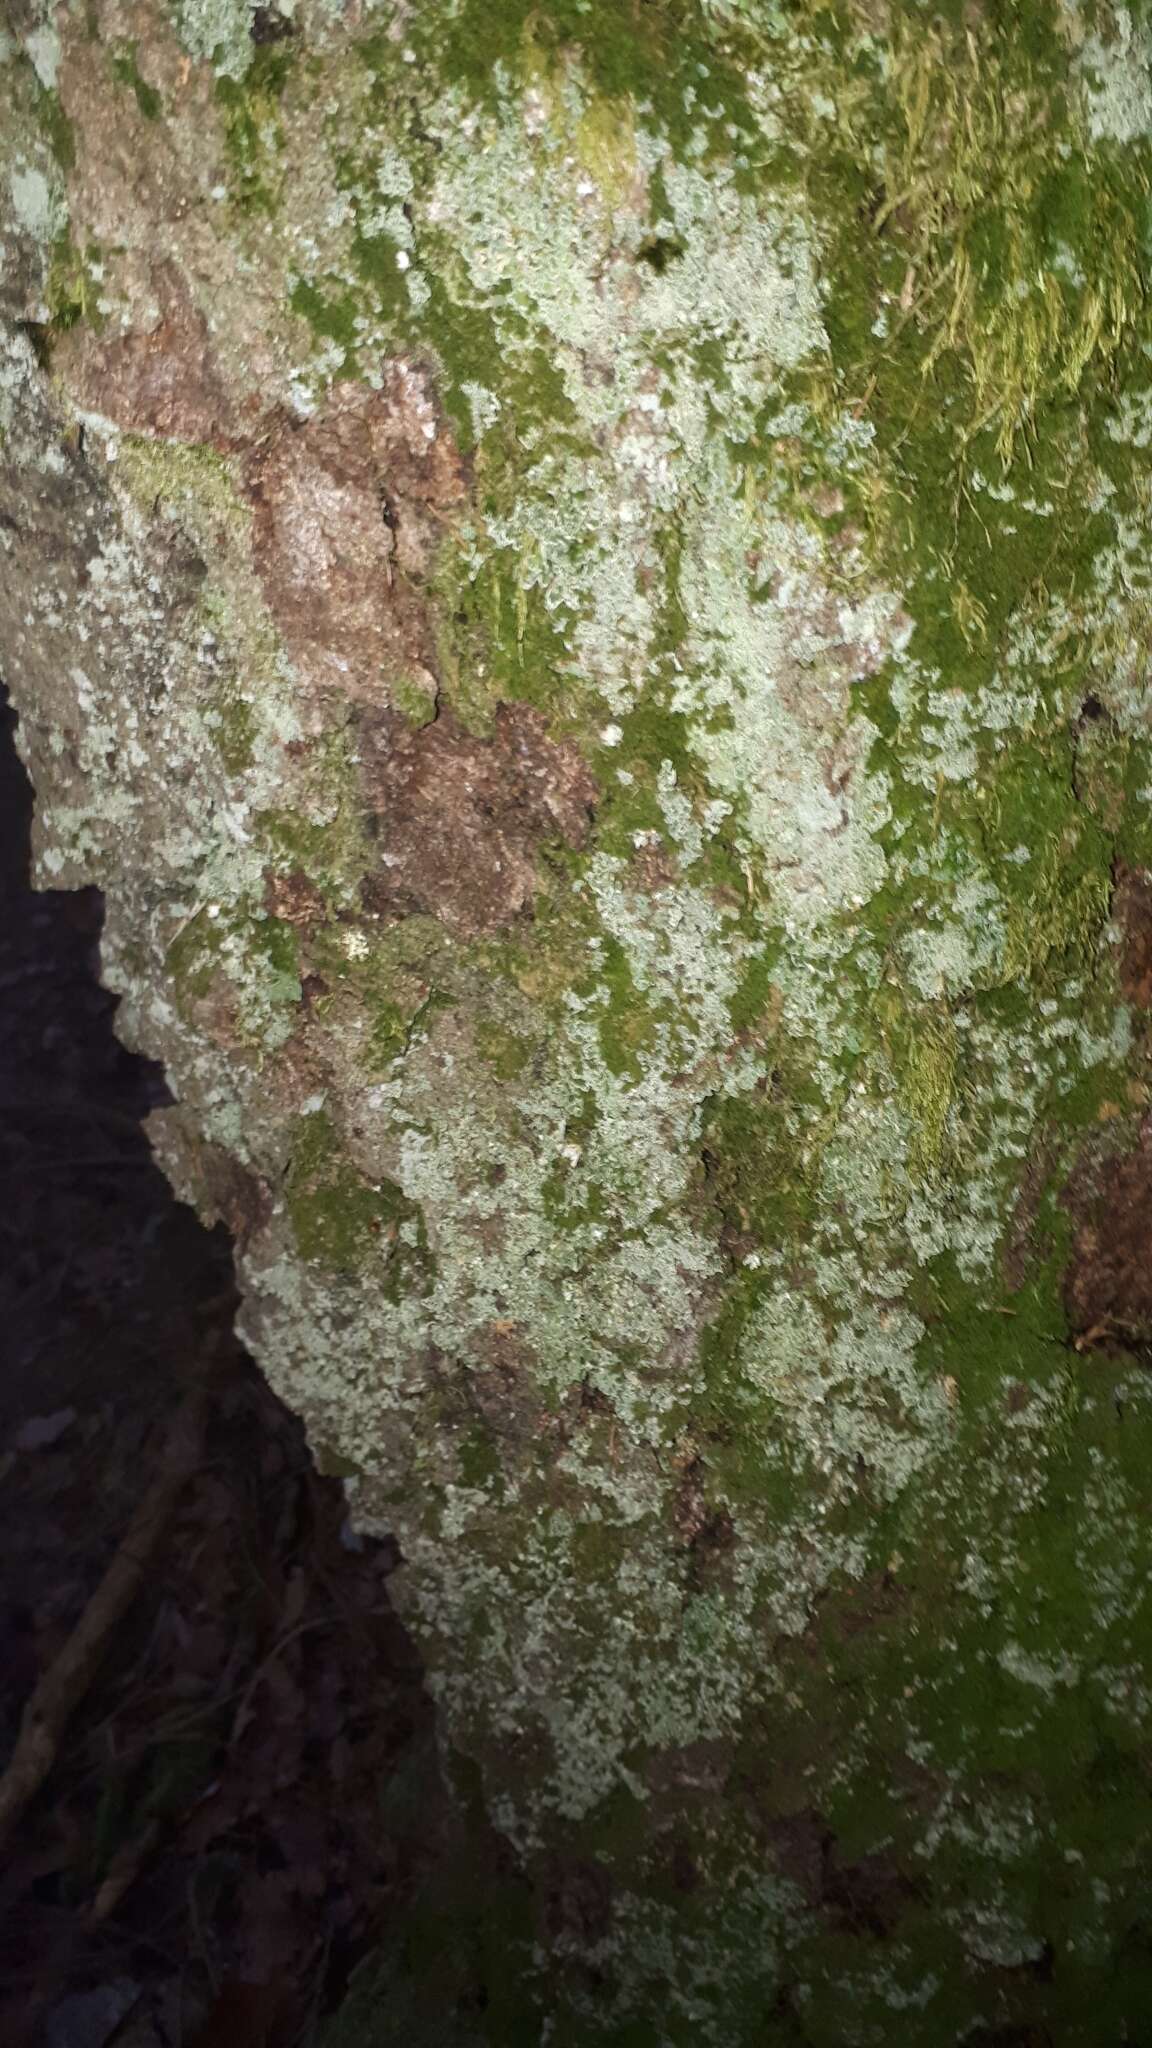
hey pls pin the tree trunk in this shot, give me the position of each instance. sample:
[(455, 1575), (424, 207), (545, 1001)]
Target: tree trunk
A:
[(579, 575)]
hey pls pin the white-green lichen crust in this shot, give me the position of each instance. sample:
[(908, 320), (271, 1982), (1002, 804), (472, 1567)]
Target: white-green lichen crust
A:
[(676, 1265)]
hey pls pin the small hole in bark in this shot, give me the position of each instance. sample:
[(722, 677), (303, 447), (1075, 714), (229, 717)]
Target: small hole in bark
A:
[(269, 27), (39, 337), (658, 252)]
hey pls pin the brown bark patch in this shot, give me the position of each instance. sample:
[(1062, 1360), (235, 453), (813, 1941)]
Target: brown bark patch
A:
[(460, 818), (159, 379), (706, 1530), (1108, 1283), (868, 1897), (577, 1902), (502, 1389), (293, 898), (800, 1843), (865, 1898), (349, 509), (1019, 1248), (652, 867), (226, 1190)]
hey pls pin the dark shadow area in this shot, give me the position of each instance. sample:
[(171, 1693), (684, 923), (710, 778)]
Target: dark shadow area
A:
[(242, 1793)]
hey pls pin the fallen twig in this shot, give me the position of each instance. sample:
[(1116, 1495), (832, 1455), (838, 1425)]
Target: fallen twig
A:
[(123, 1871), (67, 1679)]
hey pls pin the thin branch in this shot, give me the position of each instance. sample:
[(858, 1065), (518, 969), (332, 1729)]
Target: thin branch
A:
[(71, 1672)]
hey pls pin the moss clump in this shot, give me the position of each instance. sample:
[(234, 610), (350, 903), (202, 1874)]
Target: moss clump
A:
[(414, 699), (923, 1048), (498, 641), (657, 55), (71, 289), (251, 959), (184, 478), (506, 1052), (1025, 260), (754, 1168), (253, 136), (324, 831), (625, 1024), (55, 124), (331, 318), (343, 1221), (275, 946), (126, 70), (193, 955), (233, 722), (994, 240), (1065, 914)]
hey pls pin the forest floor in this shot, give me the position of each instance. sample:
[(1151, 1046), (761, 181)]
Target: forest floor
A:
[(243, 1793)]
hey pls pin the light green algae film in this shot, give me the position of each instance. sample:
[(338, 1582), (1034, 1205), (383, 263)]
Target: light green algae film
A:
[(579, 574)]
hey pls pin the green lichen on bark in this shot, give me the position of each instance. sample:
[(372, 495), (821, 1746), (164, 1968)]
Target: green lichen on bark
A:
[(705, 444)]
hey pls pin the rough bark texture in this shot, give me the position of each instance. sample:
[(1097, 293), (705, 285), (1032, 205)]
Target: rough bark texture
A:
[(579, 575)]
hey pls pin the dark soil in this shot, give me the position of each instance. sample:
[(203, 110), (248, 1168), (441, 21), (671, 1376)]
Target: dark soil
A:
[(247, 1792)]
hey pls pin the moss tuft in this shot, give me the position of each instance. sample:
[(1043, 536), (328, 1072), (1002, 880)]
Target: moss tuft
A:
[(253, 136), (122, 59), (343, 1221)]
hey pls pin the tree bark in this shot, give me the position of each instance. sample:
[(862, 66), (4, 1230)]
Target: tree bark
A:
[(578, 574)]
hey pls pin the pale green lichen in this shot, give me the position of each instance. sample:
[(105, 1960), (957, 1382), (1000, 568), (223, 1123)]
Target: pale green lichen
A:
[(219, 32), (37, 204), (1116, 79)]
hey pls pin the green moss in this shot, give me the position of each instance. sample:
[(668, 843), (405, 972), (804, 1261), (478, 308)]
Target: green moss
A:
[(498, 642), (233, 723), (375, 259), (300, 842), (71, 288), (625, 1023), (253, 136), (389, 1035), (192, 955), (653, 733), (343, 1221), (1134, 827), (506, 1052), (478, 1459), (332, 318), (57, 126), (997, 244), (385, 984), (250, 959), (332, 1463), (122, 58), (186, 478), (276, 944), (659, 55), (414, 700), (754, 1170), (923, 1048), (324, 832)]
